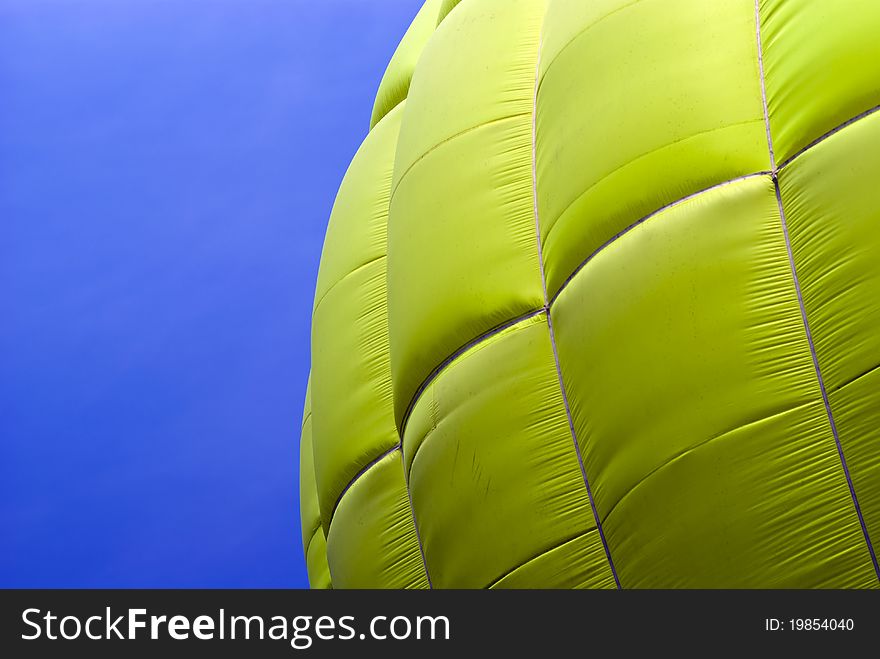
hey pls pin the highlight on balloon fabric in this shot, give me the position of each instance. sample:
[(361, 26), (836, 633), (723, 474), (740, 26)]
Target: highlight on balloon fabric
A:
[(599, 304)]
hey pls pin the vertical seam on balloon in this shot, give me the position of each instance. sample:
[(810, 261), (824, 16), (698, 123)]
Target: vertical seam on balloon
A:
[(800, 298), (577, 450), (765, 107), (565, 402), (821, 380), (399, 445), (412, 510), (310, 539), (535, 167), (366, 469)]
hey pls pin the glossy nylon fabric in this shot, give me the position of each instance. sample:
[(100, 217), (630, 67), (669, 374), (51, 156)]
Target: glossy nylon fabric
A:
[(598, 304)]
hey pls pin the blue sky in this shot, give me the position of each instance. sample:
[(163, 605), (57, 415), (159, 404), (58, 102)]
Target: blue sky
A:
[(166, 172)]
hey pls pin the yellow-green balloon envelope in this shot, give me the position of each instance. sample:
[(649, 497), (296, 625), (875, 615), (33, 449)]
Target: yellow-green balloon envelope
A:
[(599, 304)]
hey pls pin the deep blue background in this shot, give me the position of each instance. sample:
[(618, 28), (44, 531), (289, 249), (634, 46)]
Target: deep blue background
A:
[(166, 172)]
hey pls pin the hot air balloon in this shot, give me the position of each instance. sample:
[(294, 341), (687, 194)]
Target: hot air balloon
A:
[(599, 304)]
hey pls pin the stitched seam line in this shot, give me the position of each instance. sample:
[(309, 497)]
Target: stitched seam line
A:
[(482, 338), (852, 381), (821, 381), (582, 33), (463, 351), (701, 444), (565, 402), (362, 472), (786, 163), (412, 511), (434, 423), (540, 554), (372, 463), (346, 276), (764, 107), (450, 139), (825, 136), (644, 219), (814, 355), (604, 177), (577, 450)]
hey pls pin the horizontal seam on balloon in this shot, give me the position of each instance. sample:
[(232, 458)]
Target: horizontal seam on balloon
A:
[(366, 468), (389, 111), (346, 276), (700, 445), (450, 139), (723, 183), (581, 33), (497, 329), (541, 554), (636, 159), (866, 374), (640, 221), (830, 133), (412, 462), (787, 162)]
